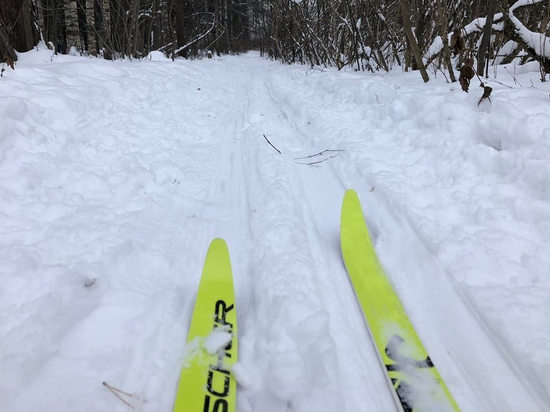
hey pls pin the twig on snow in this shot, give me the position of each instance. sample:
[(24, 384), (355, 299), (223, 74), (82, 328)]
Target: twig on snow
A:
[(315, 164), (278, 151), (319, 154), (116, 391), (496, 81), (444, 75), (310, 164), (513, 76)]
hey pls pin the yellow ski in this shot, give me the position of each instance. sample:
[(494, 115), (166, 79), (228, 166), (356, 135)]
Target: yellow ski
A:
[(415, 382), (206, 383)]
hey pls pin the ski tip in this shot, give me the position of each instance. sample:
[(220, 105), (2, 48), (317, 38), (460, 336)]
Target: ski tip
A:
[(350, 193), (218, 247), (351, 197), (352, 220), (219, 242)]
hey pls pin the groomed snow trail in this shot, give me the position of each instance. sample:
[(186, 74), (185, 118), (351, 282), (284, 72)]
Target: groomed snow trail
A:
[(107, 211)]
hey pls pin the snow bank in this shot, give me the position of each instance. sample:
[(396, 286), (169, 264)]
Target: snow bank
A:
[(105, 169)]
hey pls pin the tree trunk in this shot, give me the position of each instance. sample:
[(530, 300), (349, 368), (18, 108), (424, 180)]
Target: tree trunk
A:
[(103, 25), (443, 23), (179, 11), (90, 27), (6, 49), (133, 37), (41, 25), (153, 34), (48, 21), (17, 30), (483, 55), (71, 25), (406, 12), (59, 26), (448, 62), (26, 22)]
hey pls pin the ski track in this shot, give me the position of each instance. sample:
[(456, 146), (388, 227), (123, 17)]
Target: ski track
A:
[(412, 282), (117, 203), (320, 193)]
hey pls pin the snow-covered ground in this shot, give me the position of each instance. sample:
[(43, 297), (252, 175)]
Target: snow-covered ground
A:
[(115, 176)]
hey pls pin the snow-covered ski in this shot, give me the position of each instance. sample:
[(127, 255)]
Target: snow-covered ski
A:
[(415, 382), (206, 383)]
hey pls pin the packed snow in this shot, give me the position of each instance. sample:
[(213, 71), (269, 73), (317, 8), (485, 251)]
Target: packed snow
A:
[(115, 177), (217, 341)]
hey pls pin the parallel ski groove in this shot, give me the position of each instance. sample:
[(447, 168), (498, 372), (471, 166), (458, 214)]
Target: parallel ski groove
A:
[(416, 383)]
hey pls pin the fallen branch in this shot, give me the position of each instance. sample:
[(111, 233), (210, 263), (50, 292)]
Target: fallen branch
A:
[(496, 81), (513, 76), (444, 75), (318, 154), (116, 391), (200, 36), (207, 48), (309, 164), (314, 164), (265, 137)]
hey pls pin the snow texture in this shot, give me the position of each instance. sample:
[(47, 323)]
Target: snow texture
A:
[(115, 176), (217, 340)]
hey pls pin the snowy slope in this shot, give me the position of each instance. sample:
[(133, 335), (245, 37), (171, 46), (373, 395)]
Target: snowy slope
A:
[(115, 176)]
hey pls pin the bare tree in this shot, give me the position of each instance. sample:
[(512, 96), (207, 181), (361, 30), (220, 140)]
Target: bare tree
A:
[(17, 28), (483, 54), (103, 28), (359, 34), (405, 10), (71, 25)]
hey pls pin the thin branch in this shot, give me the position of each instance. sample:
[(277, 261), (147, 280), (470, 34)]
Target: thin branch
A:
[(210, 45), (319, 154), (496, 81), (513, 77), (317, 162), (265, 137), (116, 391), (199, 37)]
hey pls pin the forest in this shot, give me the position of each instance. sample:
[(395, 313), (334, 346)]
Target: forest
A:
[(373, 35)]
